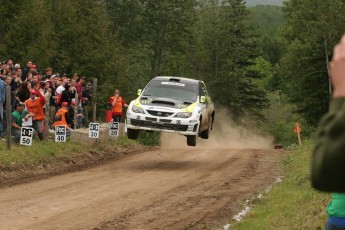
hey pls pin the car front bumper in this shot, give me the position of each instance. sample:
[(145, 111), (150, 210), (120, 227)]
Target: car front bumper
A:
[(183, 126)]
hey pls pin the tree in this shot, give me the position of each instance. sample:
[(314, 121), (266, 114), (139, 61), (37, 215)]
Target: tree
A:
[(312, 29), (222, 54)]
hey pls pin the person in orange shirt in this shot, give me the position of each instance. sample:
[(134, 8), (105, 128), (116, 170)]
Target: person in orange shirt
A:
[(116, 102), (35, 105), (62, 118)]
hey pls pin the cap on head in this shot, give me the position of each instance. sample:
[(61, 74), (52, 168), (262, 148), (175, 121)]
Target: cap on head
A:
[(21, 104), (64, 104), (32, 91)]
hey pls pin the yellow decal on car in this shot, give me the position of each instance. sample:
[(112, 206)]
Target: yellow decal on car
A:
[(137, 103), (191, 107)]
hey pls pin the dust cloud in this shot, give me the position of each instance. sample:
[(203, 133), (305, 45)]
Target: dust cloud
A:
[(225, 134)]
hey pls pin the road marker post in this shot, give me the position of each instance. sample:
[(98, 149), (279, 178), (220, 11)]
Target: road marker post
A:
[(298, 130)]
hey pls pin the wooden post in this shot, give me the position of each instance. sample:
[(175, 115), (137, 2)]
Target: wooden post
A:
[(8, 116), (76, 105), (94, 97), (47, 116)]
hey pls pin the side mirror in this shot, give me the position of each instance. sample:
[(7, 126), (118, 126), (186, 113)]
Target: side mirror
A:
[(202, 99), (139, 92)]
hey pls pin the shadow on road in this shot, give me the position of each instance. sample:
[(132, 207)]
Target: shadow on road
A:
[(168, 165)]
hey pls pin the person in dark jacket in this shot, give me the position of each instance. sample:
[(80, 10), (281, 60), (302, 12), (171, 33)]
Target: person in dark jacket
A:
[(330, 141), (23, 92), (26, 70), (68, 94)]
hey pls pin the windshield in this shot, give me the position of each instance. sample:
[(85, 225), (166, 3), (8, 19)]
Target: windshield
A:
[(171, 89)]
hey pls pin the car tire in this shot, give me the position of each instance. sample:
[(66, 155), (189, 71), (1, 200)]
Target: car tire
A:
[(132, 134), (206, 133), (191, 140)]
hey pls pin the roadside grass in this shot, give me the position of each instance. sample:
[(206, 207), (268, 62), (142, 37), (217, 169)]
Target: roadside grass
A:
[(49, 151), (293, 203)]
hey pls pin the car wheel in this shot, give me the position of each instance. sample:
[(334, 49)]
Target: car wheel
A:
[(206, 133), (191, 140), (132, 134)]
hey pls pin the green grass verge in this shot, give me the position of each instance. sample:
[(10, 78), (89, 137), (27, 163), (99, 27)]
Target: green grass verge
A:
[(291, 204), (49, 151)]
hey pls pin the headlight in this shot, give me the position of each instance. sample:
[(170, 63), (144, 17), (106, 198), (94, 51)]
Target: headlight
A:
[(183, 115), (137, 109)]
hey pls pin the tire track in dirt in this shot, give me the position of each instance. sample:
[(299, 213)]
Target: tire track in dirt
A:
[(206, 201)]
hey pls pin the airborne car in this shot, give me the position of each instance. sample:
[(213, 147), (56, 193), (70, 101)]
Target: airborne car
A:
[(172, 104)]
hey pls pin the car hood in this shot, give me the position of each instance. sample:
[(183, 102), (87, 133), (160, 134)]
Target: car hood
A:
[(165, 102)]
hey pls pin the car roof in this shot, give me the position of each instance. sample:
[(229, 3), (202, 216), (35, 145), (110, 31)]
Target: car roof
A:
[(180, 79)]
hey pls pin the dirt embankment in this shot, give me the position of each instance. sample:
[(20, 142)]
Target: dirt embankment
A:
[(18, 174)]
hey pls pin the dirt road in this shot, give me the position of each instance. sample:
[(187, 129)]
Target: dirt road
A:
[(168, 188)]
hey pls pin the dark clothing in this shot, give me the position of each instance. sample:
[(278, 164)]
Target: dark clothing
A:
[(14, 85), (67, 96), (23, 95), (86, 95), (328, 153), (25, 73), (117, 118), (330, 226)]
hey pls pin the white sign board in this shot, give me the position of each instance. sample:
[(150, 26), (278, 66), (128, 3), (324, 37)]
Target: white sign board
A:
[(60, 133), (26, 135), (94, 130), (114, 129)]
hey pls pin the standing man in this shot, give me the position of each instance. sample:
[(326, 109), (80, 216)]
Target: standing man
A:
[(26, 70), (48, 74), (116, 102), (35, 105), (79, 87), (329, 150)]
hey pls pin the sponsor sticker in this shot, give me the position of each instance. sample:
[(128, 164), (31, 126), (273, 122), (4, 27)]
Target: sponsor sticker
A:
[(60, 133), (173, 83), (114, 129), (94, 130), (26, 135)]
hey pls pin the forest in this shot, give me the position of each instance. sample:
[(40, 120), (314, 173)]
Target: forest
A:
[(266, 63)]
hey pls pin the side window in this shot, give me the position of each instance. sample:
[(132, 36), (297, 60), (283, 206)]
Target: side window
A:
[(203, 90)]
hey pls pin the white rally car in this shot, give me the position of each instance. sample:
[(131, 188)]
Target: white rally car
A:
[(172, 104)]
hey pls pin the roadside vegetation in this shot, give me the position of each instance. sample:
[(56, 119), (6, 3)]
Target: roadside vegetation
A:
[(291, 204), (50, 151)]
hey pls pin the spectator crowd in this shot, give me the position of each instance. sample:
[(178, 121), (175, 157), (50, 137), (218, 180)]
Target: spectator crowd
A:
[(34, 91)]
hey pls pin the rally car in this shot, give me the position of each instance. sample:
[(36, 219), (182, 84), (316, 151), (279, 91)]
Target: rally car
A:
[(172, 104)]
